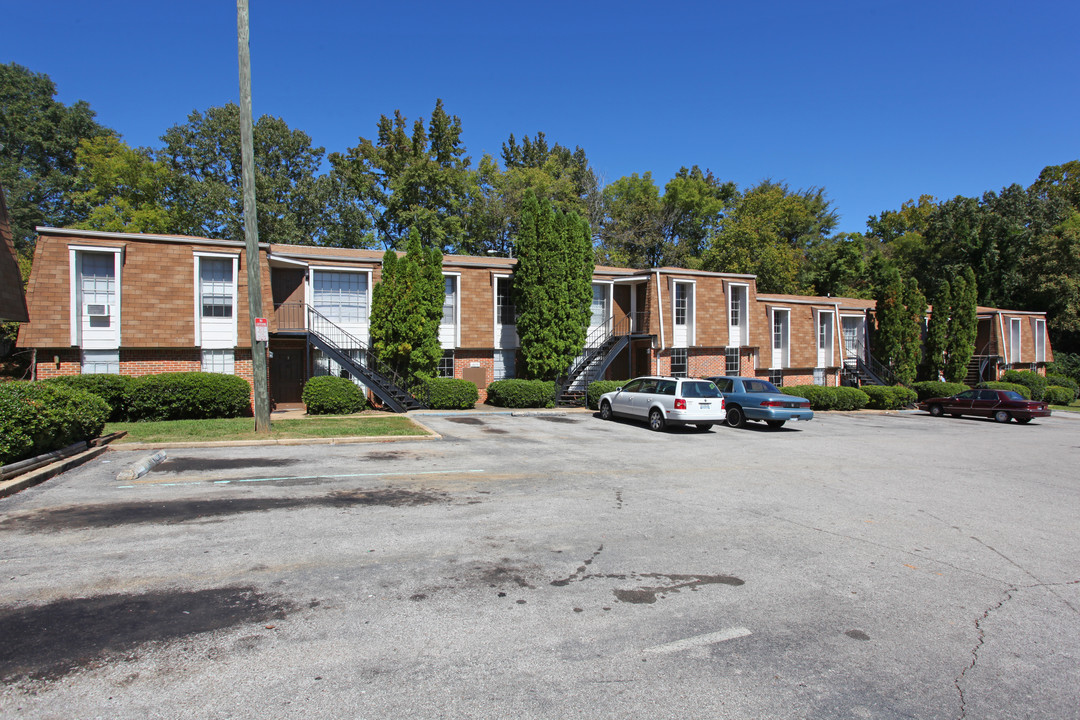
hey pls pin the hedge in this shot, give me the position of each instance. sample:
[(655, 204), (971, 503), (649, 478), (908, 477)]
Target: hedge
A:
[(599, 387), (1033, 381), (110, 388), (1064, 381), (188, 396), (1022, 389), (829, 398), (521, 393), (936, 388), (330, 395), (1058, 395), (451, 394), (40, 417), (889, 397)]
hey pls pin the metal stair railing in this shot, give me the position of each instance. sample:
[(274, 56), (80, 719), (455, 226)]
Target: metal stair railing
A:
[(868, 372), (601, 345), (355, 356)]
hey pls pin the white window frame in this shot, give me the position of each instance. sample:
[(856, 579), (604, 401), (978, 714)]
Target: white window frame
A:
[(448, 354), (691, 309), (609, 302), (785, 355), (74, 310), (112, 360), (744, 324), (1038, 329), (457, 306), (218, 358), (197, 261), (1016, 340), (512, 354), (685, 359), (830, 351), (309, 290)]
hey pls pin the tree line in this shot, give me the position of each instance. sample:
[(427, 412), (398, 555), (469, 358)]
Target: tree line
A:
[(59, 166)]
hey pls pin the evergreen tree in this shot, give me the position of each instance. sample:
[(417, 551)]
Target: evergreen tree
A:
[(552, 287), (406, 308), (963, 327), (937, 334), (914, 315), (901, 308)]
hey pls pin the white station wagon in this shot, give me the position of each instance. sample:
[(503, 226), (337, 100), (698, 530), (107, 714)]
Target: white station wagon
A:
[(666, 401)]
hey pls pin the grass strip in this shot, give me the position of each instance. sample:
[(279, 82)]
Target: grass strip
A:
[(244, 429)]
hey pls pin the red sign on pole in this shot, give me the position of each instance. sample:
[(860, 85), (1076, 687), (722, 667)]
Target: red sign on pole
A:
[(262, 330)]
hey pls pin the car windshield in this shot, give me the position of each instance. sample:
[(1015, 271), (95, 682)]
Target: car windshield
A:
[(700, 389), (759, 386), (1013, 395)]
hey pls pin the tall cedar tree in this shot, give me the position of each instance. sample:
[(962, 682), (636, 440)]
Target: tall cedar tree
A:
[(937, 334), (963, 327), (911, 347), (406, 308), (900, 309), (552, 287)]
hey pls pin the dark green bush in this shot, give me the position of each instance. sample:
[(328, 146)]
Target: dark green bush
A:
[(1035, 382), (451, 394), (188, 396), (1057, 395), (1064, 381), (598, 388), (40, 417), (1022, 389), (829, 398), (329, 395), (936, 388), (110, 388), (521, 393), (889, 397)]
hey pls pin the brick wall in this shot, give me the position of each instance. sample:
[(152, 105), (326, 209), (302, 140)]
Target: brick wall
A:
[(468, 358)]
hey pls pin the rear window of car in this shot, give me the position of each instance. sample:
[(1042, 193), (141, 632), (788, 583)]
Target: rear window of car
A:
[(759, 386), (1013, 395), (700, 389)]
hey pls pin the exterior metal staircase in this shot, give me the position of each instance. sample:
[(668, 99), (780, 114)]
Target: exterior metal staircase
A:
[(857, 372), (602, 346), (357, 359)]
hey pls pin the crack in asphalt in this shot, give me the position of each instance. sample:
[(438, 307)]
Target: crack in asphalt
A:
[(979, 640), (1039, 582)]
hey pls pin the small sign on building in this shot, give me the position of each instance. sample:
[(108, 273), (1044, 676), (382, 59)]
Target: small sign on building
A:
[(262, 330)]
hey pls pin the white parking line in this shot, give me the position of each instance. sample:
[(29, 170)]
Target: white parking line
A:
[(295, 477), (699, 641)]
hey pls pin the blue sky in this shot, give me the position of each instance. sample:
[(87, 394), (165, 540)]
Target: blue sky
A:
[(877, 102)]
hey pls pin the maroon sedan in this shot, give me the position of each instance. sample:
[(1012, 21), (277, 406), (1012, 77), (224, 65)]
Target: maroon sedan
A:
[(998, 404)]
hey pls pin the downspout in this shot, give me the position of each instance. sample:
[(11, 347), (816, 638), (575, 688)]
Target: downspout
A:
[(1004, 340), (660, 305), (838, 341)]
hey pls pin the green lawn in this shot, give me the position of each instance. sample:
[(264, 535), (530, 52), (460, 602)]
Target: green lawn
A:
[(244, 429), (1074, 406)]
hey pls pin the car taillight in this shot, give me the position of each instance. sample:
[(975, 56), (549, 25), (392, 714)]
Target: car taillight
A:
[(680, 404), (771, 403), (804, 404), (721, 403)]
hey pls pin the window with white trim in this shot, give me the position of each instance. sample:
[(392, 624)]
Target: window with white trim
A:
[(776, 377), (216, 287), (678, 362), (504, 364), (98, 280), (1040, 341), (449, 305), (446, 364), (598, 308), (682, 303), (731, 361), (219, 361), (340, 296), (819, 376), (101, 362), (505, 312), (1015, 340)]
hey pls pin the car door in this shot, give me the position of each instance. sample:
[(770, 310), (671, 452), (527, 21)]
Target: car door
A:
[(961, 404), (985, 404), (623, 401), (643, 399)]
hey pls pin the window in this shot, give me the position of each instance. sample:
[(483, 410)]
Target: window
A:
[(819, 376), (825, 321), (219, 361), (446, 364), (101, 362), (599, 305), (1040, 341), (678, 362), (778, 330), (340, 296), (449, 305), (776, 377), (736, 307), (98, 280), (216, 281), (1014, 340), (681, 303), (504, 364), (731, 364), (504, 302)]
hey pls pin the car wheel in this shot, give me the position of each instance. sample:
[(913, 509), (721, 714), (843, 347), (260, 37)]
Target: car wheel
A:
[(1023, 421), (605, 410), (1001, 416), (656, 420), (735, 417), (703, 426), (936, 410), (775, 424)]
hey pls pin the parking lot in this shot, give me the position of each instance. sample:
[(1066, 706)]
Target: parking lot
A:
[(557, 565)]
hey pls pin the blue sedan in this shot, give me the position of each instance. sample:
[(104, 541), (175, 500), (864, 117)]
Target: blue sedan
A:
[(756, 399)]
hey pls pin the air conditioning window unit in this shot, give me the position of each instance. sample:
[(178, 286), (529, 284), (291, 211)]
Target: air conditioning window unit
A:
[(97, 310)]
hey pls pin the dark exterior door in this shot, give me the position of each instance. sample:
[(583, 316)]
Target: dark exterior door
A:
[(287, 375)]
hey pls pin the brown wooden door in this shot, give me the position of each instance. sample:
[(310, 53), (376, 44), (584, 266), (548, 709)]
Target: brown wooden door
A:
[(287, 375)]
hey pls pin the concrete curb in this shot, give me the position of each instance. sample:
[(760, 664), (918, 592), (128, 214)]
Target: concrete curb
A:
[(10, 487), (277, 441), (141, 468)]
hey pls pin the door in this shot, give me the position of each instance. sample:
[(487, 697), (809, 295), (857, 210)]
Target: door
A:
[(854, 337), (97, 300), (287, 375)]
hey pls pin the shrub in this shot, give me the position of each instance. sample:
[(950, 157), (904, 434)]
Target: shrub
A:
[(829, 398), (1057, 395), (1031, 380), (1022, 389), (40, 417), (936, 388), (889, 397), (329, 395), (521, 393), (599, 387), (188, 396), (110, 388), (451, 394), (1064, 381)]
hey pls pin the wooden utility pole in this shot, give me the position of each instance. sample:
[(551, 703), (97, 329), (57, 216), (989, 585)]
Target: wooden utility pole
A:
[(251, 227)]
